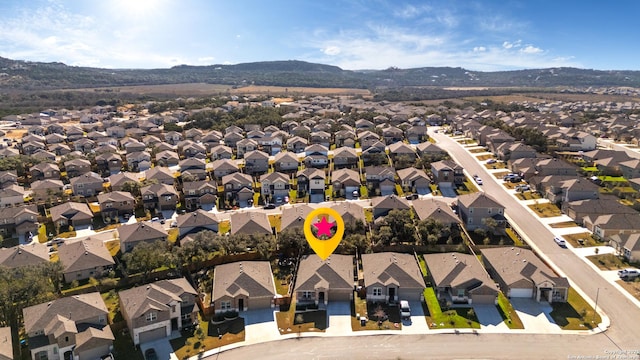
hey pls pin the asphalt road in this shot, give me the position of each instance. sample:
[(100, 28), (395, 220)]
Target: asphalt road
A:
[(620, 341)]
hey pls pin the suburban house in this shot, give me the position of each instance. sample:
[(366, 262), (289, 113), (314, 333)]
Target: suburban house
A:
[(461, 278), (312, 182), (256, 162), (109, 162), (193, 167), (158, 197), (88, 184), (604, 205), (161, 174), (71, 213), (320, 281), (116, 203), (399, 150), (47, 188), (83, 259), (380, 178), (294, 216), (350, 211), (296, 144), (7, 178), (223, 167), (167, 158), (345, 157), (19, 221), (77, 167), (475, 208), (316, 156), (514, 151), (321, 138), (392, 135), (24, 255), (231, 139), (244, 146), (12, 195), (243, 285), (155, 310), (627, 244), (345, 183), (74, 327), (250, 223), (275, 186), (383, 204), (197, 221), (286, 162), (138, 160), (44, 170), (447, 173), (414, 180), (117, 181), (146, 231), (390, 277), (200, 194), (221, 152), (521, 274), (437, 210), (238, 188), (571, 190), (606, 225)]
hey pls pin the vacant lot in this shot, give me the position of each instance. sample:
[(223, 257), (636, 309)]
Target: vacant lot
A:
[(607, 262), (298, 90), (545, 210), (633, 287)]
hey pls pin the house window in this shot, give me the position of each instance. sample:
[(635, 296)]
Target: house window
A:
[(225, 305), (152, 316), (101, 319), (173, 308), (377, 291), (460, 292), (489, 211), (470, 211), (167, 198), (307, 295), (108, 205), (192, 192)]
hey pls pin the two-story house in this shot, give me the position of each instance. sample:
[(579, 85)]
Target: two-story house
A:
[(286, 162), (158, 197), (77, 167), (200, 194), (256, 162), (275, 186), (85, 258), (312, 182), (88, 184), (116, 203), (223, 167), (475, 208), (238, 188)]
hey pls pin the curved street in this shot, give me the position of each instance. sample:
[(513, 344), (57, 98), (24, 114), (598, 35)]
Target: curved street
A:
[(619, 341)]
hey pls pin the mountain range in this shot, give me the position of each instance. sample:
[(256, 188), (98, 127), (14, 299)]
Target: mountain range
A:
[(27, 75)]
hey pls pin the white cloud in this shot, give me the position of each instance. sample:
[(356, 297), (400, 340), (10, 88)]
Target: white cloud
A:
[(509, 45), (530, 49), (331, 50), (479, 49), (410, 11)]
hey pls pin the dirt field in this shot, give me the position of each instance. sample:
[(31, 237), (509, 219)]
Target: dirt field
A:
[(15, 134), (274, 90)]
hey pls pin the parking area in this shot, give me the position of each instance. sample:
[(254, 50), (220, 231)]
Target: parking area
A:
[(418, 322), (535, 315), (161, 346), (489, 318)]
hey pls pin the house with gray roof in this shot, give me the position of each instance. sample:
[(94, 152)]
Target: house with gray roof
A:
[(71, 213), (19, 221), (461, 278), (252, 222), (320, 281), (275, 186), (390, 277), (88, 184), (521, 274), (155, 310), (146, 231), (161, 174), (158, 197), (74, 327), (200, 194), (383, 204), (223, 167), (6, 345), (85, 258), (243, 285), (24, 255), (474, 208), (197, 221), (116, 203), (627, 244)]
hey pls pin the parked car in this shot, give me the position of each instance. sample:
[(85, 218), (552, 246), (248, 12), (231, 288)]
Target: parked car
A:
[(628, 274), (155, 219), (492, 161), (270, 206), (508, 177), (405, 310), (560, 241), (522, 188), (478, 180)]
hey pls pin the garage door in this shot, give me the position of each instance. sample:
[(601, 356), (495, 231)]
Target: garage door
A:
[(521, 293), (483, 299), (151, 335)]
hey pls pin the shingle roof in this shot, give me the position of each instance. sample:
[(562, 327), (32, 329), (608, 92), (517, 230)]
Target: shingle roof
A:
[(141, 231), (77, 307), (516, 264), (478, 200), (71, 211), (390, 202), (334, 273), (458, 270), (197, 218), (294, 216), (84, 254), (435, 209), (24, 255), (250, 223), (136, 301), (250, 278), (389, 268), (6, 347)]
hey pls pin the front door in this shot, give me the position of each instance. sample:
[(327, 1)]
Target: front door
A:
[(321, 297), (174, 324), (392, 294), (240, 304)]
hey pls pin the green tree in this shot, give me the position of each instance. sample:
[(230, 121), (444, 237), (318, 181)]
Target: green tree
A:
[(146, 257), (401, 224), (292, 242), (430, 230), (353, 242)]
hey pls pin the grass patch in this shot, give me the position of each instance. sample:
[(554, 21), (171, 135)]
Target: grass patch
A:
[(364, 192), (391, 316), (562, 225), (484, 157), (545, 210), (512, 235), (95, 208), (528, 195), (633, 287), (111, 300), (466, 188), (590, 169), (399, 191), (575, 314), (456, 318), (123, 347), (287, 323), (191, 344), (500, 174), (509, 315), (42, 233), (275, 220), (584, 239), (608, 262), (172, 236), (476, 151), (368, 215), (224, 227)]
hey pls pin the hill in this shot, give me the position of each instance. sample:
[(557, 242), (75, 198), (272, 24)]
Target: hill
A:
[(26, 75)]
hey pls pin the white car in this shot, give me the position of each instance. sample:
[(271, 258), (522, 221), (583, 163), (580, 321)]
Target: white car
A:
[(405, 310), (560, 241), (478, 180), (492, 161), (628, 274)]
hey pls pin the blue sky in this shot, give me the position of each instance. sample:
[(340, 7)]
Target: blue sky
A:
[(352, 34)]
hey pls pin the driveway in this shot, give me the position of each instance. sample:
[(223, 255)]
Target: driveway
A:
[(447, 191), (339, 318), (489, 318), (161, 346), (418, 322), (260, 325), (535, 315)]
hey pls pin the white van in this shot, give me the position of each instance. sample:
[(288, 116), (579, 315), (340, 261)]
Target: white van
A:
[(560, 241), (405, 310)]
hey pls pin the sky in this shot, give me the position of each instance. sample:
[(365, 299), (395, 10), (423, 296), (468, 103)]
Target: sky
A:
[(351, 34)]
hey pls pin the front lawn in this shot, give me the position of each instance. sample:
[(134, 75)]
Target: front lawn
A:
[(576, 314), (288, 321), (545, 210), (528, 195), (633, 287), (608, 262), (454, 318), (509, 315), (123, 347), (582, 240), (379, 316), (207, 337), (564, 224)]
